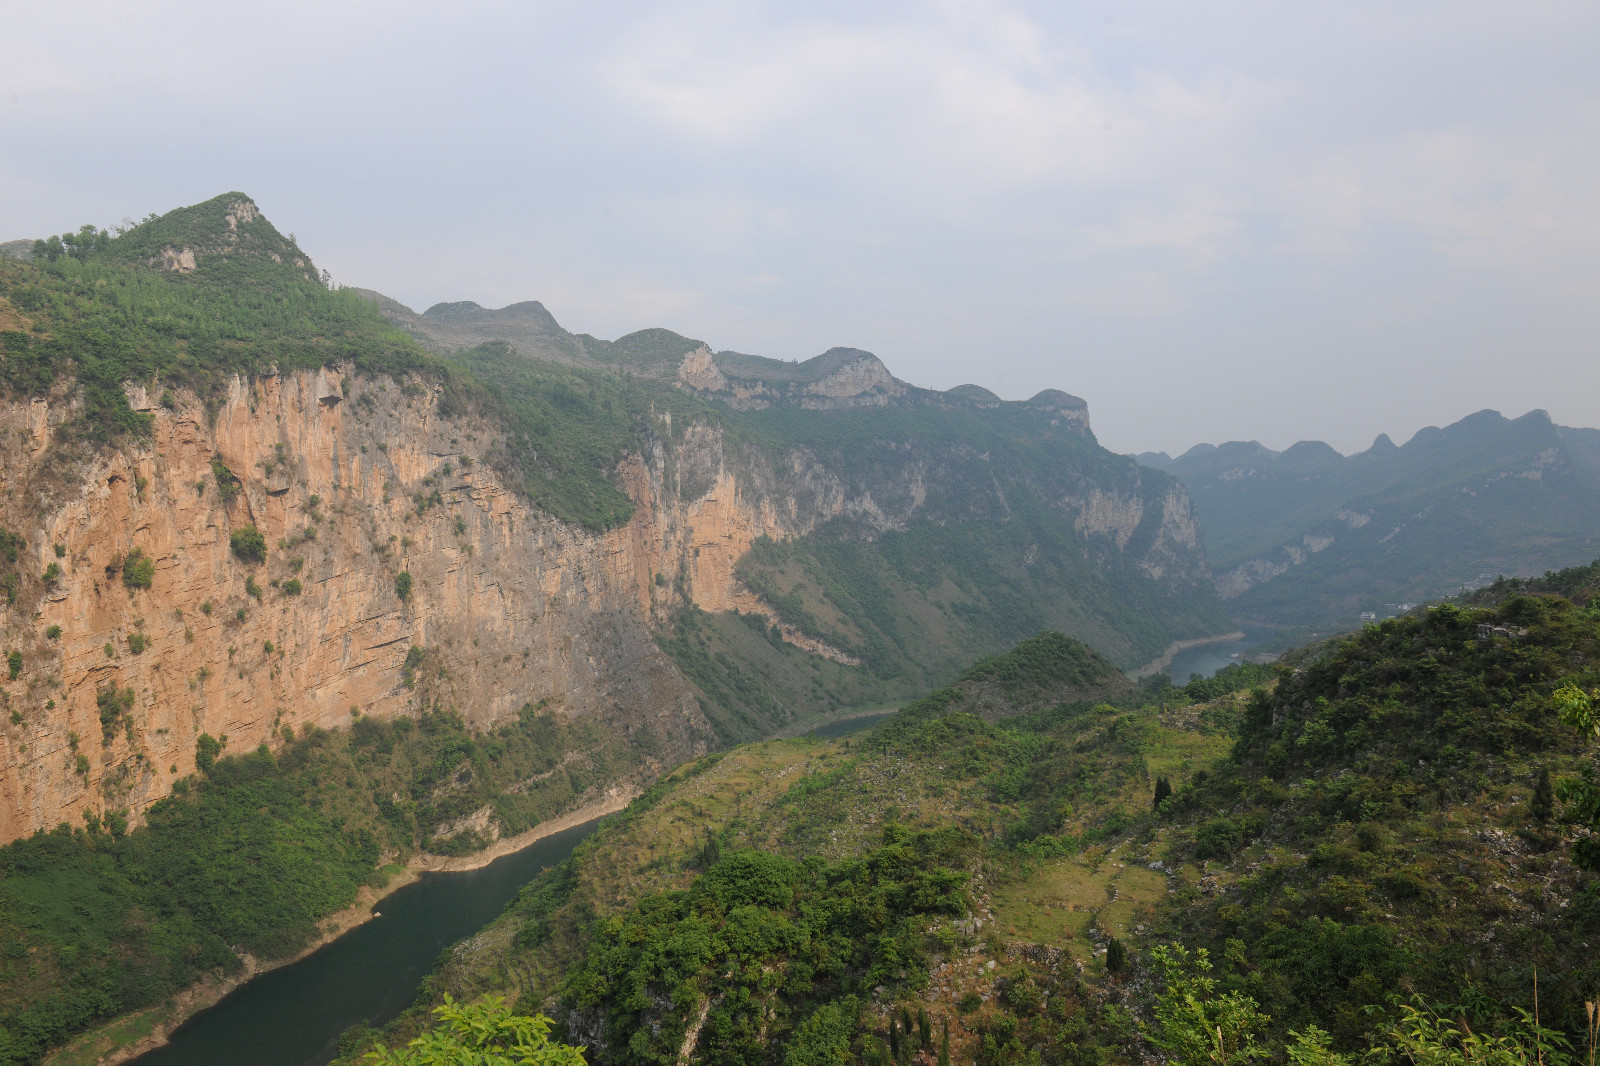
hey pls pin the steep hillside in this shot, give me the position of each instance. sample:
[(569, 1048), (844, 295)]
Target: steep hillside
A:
[(797, 894), (1379, 823), (1371, 827), (238, 502), (1308, 537), (911, 528)]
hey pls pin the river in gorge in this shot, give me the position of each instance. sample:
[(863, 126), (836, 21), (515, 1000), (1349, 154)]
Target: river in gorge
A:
[(294, 1016), (1207, 659)]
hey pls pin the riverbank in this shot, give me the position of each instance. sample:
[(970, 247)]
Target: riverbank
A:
[(1157, 665), (800, 729), (131, 1035)]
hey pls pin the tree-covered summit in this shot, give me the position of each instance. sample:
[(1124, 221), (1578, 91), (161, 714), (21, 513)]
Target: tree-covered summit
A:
[(187, 300)]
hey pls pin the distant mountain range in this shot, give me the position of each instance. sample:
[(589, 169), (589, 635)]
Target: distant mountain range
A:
[(1307, 537)]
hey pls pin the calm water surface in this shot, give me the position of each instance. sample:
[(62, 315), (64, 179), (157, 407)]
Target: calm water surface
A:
[(846, 726), (293, 1016), (1207, 659)]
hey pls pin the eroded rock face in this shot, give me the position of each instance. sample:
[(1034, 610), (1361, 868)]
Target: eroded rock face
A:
[(351, 485), (839, 379), (348, 494), (349, 490)]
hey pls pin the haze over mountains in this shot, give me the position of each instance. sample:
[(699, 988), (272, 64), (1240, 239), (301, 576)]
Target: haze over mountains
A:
[(1309, 537), (450, 581), (1304, 538)]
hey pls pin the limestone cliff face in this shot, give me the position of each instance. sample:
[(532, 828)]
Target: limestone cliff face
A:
[(348, 495), (352, 485)]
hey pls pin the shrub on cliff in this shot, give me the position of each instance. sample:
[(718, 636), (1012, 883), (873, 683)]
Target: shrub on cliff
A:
[(402, 584), (206, 750), (138, 570), (112, 703), (248, 544)]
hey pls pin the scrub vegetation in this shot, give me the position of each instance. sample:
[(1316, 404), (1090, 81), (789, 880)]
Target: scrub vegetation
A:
[(1373, 852)]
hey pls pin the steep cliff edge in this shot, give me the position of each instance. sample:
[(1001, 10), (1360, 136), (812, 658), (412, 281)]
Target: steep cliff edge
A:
[(477, 531), (348, 497)]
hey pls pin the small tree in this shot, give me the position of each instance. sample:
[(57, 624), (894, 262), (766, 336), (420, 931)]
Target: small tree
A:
[(402, 584), (249, 545), (1163, 790), (138, 570), (1544, 797), (206, 750), (408, 668), (483, 1034), (1195, 1024), (1116, 956)]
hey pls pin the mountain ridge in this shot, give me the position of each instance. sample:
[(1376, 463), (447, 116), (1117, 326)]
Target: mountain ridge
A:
[(689, 571), (1308, 537)]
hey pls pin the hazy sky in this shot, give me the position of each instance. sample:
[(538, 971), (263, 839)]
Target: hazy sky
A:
[(1213, 221)]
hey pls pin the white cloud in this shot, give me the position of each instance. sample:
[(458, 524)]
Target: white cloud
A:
[(1248, 202)]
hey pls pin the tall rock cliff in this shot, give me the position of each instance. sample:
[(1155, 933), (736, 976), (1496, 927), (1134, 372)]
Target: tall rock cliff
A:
[(117, 680), (485, 529)]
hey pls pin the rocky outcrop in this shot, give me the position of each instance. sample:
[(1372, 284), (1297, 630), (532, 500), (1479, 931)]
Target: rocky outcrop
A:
[(1063, 408), (838, 379)]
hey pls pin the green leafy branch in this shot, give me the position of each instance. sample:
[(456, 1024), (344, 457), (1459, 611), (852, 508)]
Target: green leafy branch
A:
[(482, 1034)]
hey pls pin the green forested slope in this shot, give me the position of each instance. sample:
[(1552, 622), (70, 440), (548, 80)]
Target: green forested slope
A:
[(1377, 824), (1366, 829), (99, 313)]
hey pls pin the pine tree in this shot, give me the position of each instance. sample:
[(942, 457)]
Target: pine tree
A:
[(1544, 799), (1116, 956), (1163, 790), (944, 1045)]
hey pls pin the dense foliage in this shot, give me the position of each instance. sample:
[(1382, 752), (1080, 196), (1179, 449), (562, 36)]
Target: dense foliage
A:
[(482, 1034), (99, 920), (758, 942), (565, 426), (1384, 798)]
